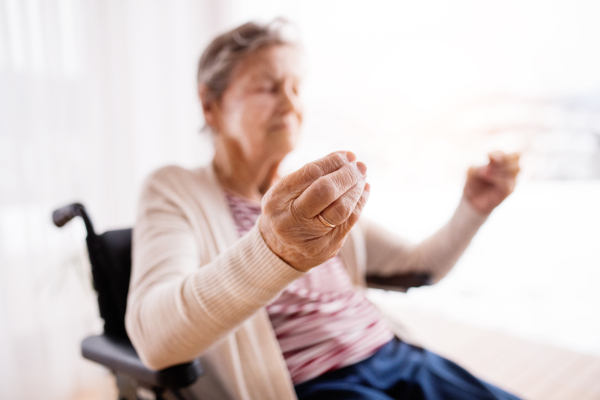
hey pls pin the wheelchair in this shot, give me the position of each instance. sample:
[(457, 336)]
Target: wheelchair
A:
[(110, 259)]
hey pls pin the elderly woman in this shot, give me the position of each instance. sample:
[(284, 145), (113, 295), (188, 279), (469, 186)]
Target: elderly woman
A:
[(263, 276)]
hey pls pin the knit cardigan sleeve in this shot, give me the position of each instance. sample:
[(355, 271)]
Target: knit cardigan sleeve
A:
[(177, 308), (388, 254)]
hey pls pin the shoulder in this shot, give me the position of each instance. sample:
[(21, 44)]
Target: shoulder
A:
[(173, 176), (175, 183), (169, 173)]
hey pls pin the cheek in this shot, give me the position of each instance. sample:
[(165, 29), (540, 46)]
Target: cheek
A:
[(242, 114), (257, 111)]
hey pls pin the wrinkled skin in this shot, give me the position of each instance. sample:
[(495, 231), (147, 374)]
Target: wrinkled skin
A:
[(332, 186)]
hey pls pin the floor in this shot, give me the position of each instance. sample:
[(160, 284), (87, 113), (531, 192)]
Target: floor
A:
[(531, 370)]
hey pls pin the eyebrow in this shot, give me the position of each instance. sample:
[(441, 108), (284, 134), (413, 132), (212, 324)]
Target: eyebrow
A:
[(263, 74)]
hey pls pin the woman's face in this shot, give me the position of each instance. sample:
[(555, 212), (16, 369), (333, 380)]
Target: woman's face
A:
[(260, 113)]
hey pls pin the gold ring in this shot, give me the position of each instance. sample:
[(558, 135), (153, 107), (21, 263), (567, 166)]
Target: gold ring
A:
[(324, 221)]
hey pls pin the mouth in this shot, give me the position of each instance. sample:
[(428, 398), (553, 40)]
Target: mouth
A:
[(283, 126), (288, 123), (280, 127)]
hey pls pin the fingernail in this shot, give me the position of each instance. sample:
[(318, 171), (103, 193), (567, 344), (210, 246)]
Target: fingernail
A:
[(366, 192), (361, 167), (350, 156)]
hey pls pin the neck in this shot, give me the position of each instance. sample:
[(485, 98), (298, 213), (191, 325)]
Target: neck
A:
[(247, 178)]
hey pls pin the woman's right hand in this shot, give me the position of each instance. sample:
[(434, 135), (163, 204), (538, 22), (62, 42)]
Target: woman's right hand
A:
[(333, 186)]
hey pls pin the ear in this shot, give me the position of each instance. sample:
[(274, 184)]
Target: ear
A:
[(208, 105)]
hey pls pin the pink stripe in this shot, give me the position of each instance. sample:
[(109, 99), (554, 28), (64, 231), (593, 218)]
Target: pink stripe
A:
[(322, 323)]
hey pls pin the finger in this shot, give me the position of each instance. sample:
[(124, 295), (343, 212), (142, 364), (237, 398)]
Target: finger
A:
[(511, 170), (496, 157), (342, 230), (500, 164), (515, 156), (499, 158), (328, 189), (297, 182), (499, 178), (341, 209), (474, 172), (508, 168), (507, 159), (483, 172), (362, 202)]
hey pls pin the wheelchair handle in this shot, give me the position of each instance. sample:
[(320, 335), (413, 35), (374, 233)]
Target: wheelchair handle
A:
[(64, 214)]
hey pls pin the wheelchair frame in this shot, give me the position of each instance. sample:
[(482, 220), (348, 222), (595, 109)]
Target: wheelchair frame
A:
[(110, 259)]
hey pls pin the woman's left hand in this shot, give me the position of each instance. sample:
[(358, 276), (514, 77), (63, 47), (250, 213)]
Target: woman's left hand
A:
[(489, 185)]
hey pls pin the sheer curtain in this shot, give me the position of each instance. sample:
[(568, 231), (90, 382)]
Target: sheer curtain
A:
[(93, 96)]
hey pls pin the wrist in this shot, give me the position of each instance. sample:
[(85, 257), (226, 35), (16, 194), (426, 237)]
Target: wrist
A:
[(482, 209), (275, 245)]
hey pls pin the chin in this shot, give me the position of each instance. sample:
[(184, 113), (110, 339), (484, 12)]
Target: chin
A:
[(284, 136), (282, 149), (282, 143)]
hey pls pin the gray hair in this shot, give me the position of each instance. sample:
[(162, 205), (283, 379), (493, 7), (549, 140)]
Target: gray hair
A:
[(227, 50)]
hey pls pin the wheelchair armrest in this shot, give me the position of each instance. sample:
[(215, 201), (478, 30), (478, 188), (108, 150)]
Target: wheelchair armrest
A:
[(119, 355), (399, 283)]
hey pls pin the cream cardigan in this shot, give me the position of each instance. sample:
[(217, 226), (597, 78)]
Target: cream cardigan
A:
[(199, 290)]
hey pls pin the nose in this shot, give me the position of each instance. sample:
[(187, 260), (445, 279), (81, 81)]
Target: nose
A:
[(289, 100)]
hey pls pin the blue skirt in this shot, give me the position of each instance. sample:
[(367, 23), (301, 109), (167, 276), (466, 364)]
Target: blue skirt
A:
[(400, 371)]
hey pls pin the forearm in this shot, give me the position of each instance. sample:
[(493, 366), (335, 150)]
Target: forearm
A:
[(177, 320), (389, 255), (437, 254)]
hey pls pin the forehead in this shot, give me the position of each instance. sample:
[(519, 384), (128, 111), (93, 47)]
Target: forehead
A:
[(273, 62)]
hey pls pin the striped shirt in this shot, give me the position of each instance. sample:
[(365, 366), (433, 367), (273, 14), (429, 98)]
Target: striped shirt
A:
[(322, 323)]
